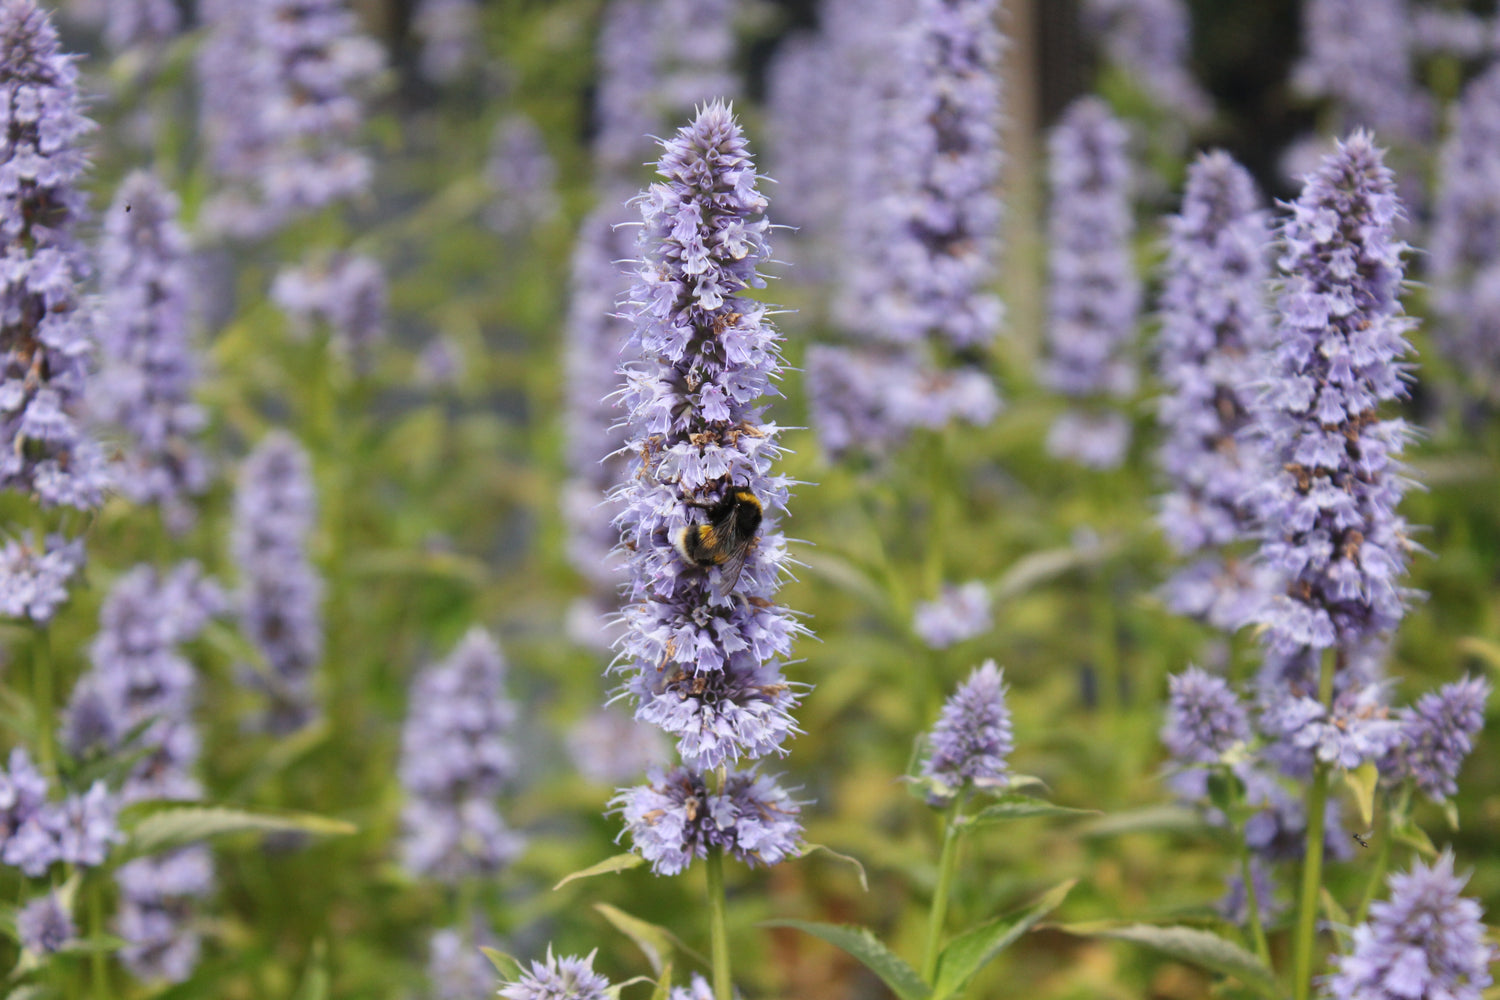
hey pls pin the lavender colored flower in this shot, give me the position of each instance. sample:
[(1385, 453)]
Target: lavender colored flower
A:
[(132, 23), (1204, 718), (1357, 53), (455, 759), (86, 825), (1094, 296), (521, 176), (1425, 943), (697, 988), (566, 978), (156, 898), (44, 926), (149, 368), (345, 291), (707, 666), (1235, 906), (959, 613), (28, 839), (140, 681), (675, 818), (46, 333), (609, 747), (867, 398), (1328, 505), (972, 737), (34, 579), (280, 591), (450, 35), (288, 77), (1276, 829), (1437, 733), (456, 968), (1215, 324), (805, 117), (1465, 240), (696, 46), (1442, 32), (625, 103), (1149, 40)]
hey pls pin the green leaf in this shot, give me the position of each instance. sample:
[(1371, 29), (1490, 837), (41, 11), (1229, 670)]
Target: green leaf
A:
[(1409, 833), (1191, 945), (1361, 784), (1450, 813), (972, 950), (315, 979), (618, 863), (1337, 915), (176, 826), (1017, 807), (655, 942), (663, 989), (1151, 819), (859, 869), (863, 945), (1026, 784), (509, 968), (106, 943)]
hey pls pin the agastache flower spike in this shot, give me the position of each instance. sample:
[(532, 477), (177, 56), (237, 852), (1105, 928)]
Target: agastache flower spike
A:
[(1094, 295), (1437, 733), (706, 648), (625, 103), (566, 978), (1149, 40), (972, 738), (1328, 510), (1204, 719), (1358, 52), (149, 368), (45, 331), (1425, 943), (1215, 324)]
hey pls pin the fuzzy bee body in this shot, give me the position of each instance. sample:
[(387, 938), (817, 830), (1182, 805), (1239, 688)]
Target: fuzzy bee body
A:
[(725, 539)]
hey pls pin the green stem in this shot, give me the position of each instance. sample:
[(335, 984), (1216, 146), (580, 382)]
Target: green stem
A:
[(947, 863), (1252, 899), (41, 680), (99, 960), (1312, 864), (718, 925)]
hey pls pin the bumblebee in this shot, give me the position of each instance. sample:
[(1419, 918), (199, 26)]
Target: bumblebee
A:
[(725, 540)]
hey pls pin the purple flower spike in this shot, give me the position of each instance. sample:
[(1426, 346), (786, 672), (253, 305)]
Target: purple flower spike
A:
[(958, 614), (1095, 295), (1204, 719), (625, 104), (1437, 734), (972, 737), (521, 176), (1328, 508), (44, 926), (674, 818), (696, 46), (455, 760), (1358, 53), (347, 293), (132, 23), (149, 368), (1425, 943), (155, 898), (46, 334), (1149, 40), (1465, 240), (34, 578), (1215, 324), (566, 978), (280, 591)]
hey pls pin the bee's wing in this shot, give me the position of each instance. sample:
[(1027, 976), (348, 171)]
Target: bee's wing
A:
[(729, 570)]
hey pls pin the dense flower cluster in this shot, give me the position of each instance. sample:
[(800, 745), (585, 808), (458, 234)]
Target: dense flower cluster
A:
[(696, 47), (972, 738), (46, 332), (1357, 53), (1094, 296), (36, 833), (1465, 237), (705, 663), (1437, 734), (455, 760), (1204, 717), (44, 926), (450, 34), (959, 613), (148, 366), (1328, 505), (280, 592), (1149, 40), (1215, 324), (345, 291), (34, 578), (675, 817), (625, 103), (130, 23), (1425, 943), (156, 898), (566, 978), (282, 109), (521, 175)]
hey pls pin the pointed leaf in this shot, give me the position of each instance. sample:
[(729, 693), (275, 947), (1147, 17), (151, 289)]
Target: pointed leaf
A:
[(1409, 833), (655, 942), (1018, 807), (1332, 909), (863, 945), (1151, 819), (663, 989), (509, 968), (859, 869), (1361, 784), (1191, 945), (1026, 784), (618, 863), (174, 827), (972, 950)]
